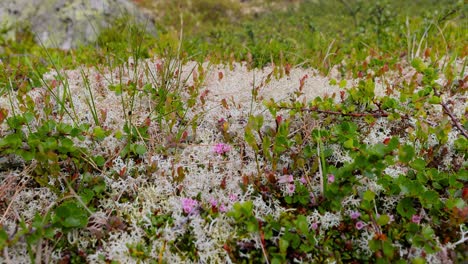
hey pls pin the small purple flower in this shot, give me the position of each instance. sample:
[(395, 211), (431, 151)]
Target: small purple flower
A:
[(290, 189), (286, 179), (314, 226), (189, 205), (221, 148), (233, 197), (213, 202), (354, 214), (360, 225), (312, 199), (303, 180), (222, 208), (392, 218), (331, 178), (416, 219)]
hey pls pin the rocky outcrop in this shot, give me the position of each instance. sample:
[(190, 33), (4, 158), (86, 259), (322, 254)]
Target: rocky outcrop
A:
[(67, 23)]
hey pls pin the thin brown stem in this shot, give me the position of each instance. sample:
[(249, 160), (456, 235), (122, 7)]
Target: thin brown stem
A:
[(454, 119), (353, 114)]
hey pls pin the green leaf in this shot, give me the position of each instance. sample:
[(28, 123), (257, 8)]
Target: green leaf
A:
[(99, 133), (405, 207), (388, 249), (66, 146), (434, 100), (27, 155), (75, 132), (13, 141), (343, 83), (429, 198), (369, 195), (374, 244), (383, 220), (50, 143), (418, 64), (281, 143), (277, 260), (64, 128), (308, 152), (266, 143), (3, 238), (461, 144), (99, 187), (70, 215), (418, 260), (118, 134), (428, 232), (15, 122), (86, 195), (140, 149), (72, 222), (418, 164), (247, 208), (250, 139), (302, 224), (455, 202), (283, 245), (29, 117), (116, 88), (252, 226), (406, 153), (99, 160), (349, 144)]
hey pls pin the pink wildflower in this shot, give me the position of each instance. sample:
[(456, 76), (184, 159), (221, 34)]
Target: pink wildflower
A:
[(416, 219), (360, 225), (222, 208), (290, 189), (233, 197), (314, 226), (221, 148), (213, 202), (312, 199), (331, 178), (303, 180), (286, 179), (354, 214), (189, 205)]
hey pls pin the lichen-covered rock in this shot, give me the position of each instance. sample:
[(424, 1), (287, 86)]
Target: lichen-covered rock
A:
[(67, 23)]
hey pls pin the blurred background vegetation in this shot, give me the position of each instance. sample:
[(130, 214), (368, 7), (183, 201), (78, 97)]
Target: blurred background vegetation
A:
[(309, 33)]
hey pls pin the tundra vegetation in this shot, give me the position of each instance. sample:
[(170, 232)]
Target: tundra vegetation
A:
[(178, 149)]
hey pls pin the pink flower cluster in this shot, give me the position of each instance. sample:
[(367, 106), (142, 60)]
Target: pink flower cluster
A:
[(360, 225), (331, 178), (289, 181), (221, 148), (416, 219), (214, 203), (354, 214), (314, 226), (189, 205), (285, 179)]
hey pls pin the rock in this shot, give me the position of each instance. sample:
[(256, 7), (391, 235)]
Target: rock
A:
[(67, 23)]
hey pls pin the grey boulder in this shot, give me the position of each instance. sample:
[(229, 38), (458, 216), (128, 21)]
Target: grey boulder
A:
[(66, 24)]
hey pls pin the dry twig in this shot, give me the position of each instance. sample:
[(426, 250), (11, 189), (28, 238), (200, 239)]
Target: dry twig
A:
[(353, 114), (454, 119)]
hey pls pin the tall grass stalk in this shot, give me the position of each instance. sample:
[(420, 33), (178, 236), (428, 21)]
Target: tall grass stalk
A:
[(322, 165), (90, 101)]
